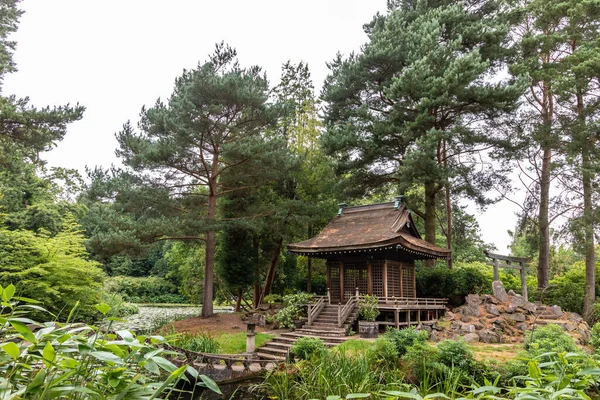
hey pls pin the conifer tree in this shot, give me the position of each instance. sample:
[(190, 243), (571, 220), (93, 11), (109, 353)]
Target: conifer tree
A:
[(419, 84), (213, 123)]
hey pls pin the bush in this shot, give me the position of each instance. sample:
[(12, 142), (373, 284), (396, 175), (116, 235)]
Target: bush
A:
[(144, 290), (273, 298), (405, 338), (306, 348), (51, 363), (295, 308), (549, 338), (383, 352), (119, 308), (367, 308), (449, 283), (201, 342), (456, 353), (595, 337)]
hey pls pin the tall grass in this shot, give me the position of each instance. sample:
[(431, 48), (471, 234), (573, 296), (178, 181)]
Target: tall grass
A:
[(201, 342), (334, 373)]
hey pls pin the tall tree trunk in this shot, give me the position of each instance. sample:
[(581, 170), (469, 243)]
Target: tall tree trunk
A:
[(309, 266), (271, 272), (544, 224), (448, 210), (256, 299), (209, 257), (430, 217), (588, 212), (543, 270), (211, 216), (238, 303)]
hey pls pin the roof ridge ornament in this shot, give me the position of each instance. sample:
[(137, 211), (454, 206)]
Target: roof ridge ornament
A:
[(341, 208), (397, 201)]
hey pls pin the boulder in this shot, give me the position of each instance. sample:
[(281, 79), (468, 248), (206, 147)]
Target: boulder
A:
[(511, 293), (575, 317), (435, 336), (532, 308), (523, 326), (465, 318), (471, 309), (471, 337), (488, 336), (449, 316), (492, 309), (515, 303), (468, 328), (556, 311), (489, 299), (518, 317), (500, 292)]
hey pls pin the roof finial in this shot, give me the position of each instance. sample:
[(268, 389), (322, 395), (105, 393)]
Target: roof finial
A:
[(397, 201), (342, 206)]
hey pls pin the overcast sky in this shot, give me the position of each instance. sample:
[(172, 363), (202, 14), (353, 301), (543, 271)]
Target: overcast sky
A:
[(114, 56)]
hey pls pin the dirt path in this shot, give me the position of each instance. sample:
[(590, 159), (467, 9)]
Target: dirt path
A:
[(217, 323)]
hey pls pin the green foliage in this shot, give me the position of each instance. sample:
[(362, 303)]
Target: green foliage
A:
[(595, 337), (403, 339), (456, 353), (567, 290), (367, 308), (53, 270), (459, 281), (144, 290), (273, 298), (235, 343), (383, 352), (334, 373), (295, 308), (118, 307), (306, 348), (201, 342), (549, 338), (79, 361)]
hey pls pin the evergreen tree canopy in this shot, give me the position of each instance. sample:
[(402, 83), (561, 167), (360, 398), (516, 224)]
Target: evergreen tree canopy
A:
[(410, 107)]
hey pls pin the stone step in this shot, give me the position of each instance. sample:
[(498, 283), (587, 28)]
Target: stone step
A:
[(268, 348), (292, 337), (322, 332), (268, 356)]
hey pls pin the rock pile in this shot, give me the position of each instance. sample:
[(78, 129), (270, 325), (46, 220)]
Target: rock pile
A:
[(503, 318)]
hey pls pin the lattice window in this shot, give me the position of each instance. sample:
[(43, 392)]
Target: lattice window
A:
[(355, 276), (408, 281), (393, 278), (377, 277), (334, 280)]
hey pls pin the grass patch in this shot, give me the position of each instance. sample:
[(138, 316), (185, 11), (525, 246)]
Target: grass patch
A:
[(499, 352), (235, 343), (354, 346)]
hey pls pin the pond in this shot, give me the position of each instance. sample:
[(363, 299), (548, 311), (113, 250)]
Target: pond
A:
[(150, 316), (240, 390)]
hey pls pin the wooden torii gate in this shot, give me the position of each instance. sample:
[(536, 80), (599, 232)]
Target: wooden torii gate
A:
[(500, 261)]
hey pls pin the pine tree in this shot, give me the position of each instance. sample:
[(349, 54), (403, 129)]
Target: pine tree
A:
[(213, 122), (411, 108)]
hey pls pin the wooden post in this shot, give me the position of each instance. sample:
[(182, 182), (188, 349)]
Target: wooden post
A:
[(370, 279), (523, 282), (419, 317), (328, 297), (496, 276), (341, 282), (385, 291), (408, 318), (397, 318), (401, 285), (309, 315), (357, 294)]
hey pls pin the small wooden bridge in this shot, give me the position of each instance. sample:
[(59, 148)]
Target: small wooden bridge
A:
[(222, 367)]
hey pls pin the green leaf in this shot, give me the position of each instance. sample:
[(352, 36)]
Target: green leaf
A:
[(210, 384), (334, 398), (106, 356), (164, 364), (174, 375), (152, 367), (24, 331), (103, 308), (358, 396), (38, 380), (48, 354), (12, 350), (8, 292)]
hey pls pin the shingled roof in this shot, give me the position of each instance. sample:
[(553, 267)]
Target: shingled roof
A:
[(370, 227)]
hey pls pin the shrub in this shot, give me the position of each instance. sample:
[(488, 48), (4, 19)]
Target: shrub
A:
[(383, 352), (273, 298), (306, 348), (405, 338), (119, 308), (80, 361), (456, 353), (549, 338), (202, 342), (595, 337), (367, 308), (295, 308), (144, 290)]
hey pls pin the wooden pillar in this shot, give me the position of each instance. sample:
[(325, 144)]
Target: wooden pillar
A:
[(523, 282), (401, 273), (385, 286), (328, 274), (414, 274), (419, 316), (496, 276), (397, 318), (408, 318), (369, 278), (341, 282)]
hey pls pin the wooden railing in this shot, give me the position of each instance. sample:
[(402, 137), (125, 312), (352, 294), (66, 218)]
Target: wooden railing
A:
[(315, 309), (411, 301), (345, 310)]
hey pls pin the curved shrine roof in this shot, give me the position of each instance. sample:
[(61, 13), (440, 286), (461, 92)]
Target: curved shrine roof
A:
[(370, 227)]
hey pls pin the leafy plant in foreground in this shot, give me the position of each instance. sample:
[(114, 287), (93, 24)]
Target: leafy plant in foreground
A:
[(78, 361)]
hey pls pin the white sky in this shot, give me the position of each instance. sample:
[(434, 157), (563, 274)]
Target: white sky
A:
[(114, 56)]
